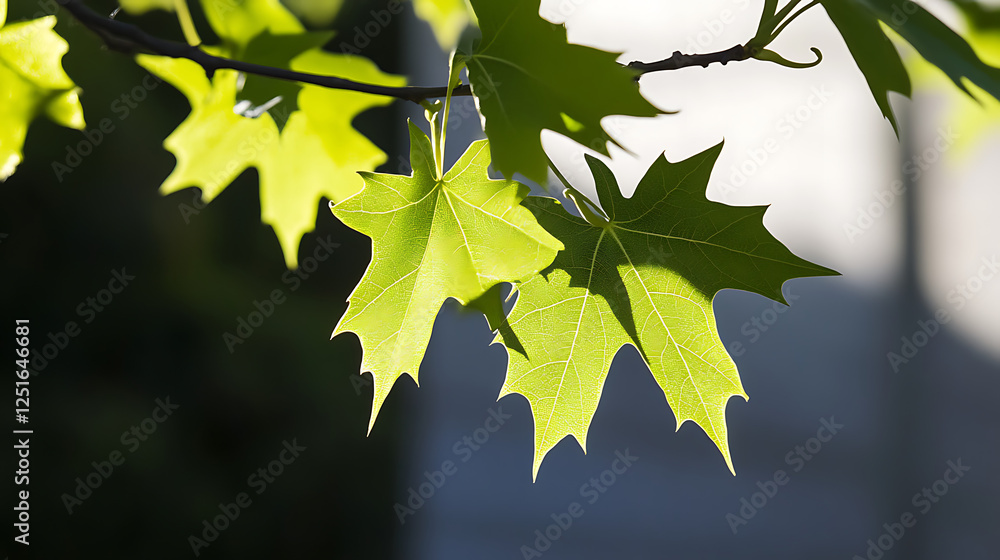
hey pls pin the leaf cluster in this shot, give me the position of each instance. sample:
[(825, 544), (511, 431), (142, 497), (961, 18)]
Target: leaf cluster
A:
[(588, 280)]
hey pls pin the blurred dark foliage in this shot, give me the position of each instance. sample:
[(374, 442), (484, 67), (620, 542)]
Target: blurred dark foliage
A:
[(195, 275)]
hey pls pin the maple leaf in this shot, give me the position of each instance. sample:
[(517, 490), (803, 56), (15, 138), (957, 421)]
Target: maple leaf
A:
[(645, 276), (214, 144), (234, 120), (32, 82), (320, 152), (433, 238), (858, 22), (285, 52), (527, 78), (874, 54)]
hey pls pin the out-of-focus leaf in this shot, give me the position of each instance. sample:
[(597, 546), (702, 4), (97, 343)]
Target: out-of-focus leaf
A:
[(935, 41), (32, 82), (874, 53), (320, 152), (233, 124)]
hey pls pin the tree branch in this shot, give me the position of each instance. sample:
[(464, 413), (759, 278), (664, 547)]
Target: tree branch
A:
[(128, 38)]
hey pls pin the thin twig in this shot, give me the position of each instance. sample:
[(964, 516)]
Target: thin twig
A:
[(124, 36), (129, 38), (681, 60)]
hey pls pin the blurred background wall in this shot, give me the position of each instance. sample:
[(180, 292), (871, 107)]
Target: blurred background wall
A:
[(813, 145)]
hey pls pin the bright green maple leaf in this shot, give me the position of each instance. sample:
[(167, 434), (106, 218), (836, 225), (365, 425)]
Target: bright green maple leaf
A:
[(317, 153), (527, 78), (32, 82), (646, 277), (455, 236), (214, 144), (320, 152), (278, 51)]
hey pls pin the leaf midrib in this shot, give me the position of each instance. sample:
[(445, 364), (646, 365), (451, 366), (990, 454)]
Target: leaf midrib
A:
[(678, 347)]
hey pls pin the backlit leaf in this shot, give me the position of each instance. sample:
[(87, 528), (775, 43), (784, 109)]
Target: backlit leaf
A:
[(234, 121), (456, 236), (645, 277), (32, 82)]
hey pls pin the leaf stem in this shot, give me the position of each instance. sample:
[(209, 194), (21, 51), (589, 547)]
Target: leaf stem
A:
[(431, 112), (591, 212), (187, 23), (782, 14), (791, 18), (770, 7)]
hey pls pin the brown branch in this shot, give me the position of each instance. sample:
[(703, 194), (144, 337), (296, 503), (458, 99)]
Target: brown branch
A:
[(128, 38), (680, 60)]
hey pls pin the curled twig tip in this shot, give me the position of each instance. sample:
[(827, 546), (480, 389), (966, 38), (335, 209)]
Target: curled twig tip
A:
[(771, 56)]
